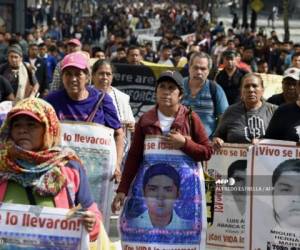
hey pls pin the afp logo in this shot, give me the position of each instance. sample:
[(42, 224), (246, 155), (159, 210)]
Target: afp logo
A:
[(230, 181)]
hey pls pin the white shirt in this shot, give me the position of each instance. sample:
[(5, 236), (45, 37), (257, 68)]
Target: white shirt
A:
[(165, 122)]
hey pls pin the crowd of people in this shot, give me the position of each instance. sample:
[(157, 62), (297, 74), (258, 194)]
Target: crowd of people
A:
[(222, 87)]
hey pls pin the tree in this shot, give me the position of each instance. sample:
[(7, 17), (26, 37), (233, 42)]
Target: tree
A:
[(286, 20), (245, 13)]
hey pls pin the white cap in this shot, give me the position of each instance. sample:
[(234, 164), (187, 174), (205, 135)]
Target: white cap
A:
[(292, 73)]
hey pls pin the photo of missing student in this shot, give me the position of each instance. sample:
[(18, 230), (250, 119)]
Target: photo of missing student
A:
[(161, 189), (165, 207), (228, 166), (278, 206)]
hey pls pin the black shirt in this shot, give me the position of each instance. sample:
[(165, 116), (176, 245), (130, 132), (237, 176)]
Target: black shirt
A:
[(276, 99), (5, 89), (231, 85), (285, 123)]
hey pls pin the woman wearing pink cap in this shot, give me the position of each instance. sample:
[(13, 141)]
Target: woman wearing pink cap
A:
[(35, 171), (79, 102)]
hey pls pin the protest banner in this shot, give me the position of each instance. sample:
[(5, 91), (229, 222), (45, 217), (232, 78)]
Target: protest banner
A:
[(149, 38), (138, 81), (228, 167), (165, 208), (33, 227), (273, 220), (272, 84), (149, 32), (95, 145)]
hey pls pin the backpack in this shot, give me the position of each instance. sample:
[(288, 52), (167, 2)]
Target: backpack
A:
[(213, 94)]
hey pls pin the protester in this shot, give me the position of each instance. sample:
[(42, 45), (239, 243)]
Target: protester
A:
[(285, 123), (99, 53), (204, 96), (49, 59), (134, 56), (6, 91), (35, 171), (240, 64), (18, 74), (249, 59), (39, 68), (165, 56), (79, 102), (296, 60), (230, 77), (289, 83), (247, 120), (273, 16), (102, 76), (3, 48), (171, 120), (120, 56), (263, 67), (73, 45)]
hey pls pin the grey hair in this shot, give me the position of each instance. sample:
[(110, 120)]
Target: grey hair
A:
[(201, 55)]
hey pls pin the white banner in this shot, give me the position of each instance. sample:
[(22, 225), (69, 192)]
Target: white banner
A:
[(274, 202), (95, 145), (165, 209), (228, 167), (33, 227)]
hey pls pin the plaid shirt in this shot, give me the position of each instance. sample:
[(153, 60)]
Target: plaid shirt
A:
[(56, 80)]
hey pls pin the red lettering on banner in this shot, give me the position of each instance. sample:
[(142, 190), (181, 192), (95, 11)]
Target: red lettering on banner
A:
[(221, 152), (267, 151), (214, 237), (49, 224), (149, 145), (230, 238), (92, 140), (11, 219), (33, 221), (163, 145), (287, 153), (128, 247)]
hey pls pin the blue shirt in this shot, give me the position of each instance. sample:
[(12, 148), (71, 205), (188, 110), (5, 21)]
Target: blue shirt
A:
[(51, 64), (71, 110), (203, 104)]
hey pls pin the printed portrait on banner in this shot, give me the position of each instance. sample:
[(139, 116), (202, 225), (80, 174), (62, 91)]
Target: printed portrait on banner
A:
[(228, 166), (166, 205), (274, 167), (95, 146)]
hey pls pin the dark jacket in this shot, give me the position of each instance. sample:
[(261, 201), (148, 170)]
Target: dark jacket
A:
[(41, 73)]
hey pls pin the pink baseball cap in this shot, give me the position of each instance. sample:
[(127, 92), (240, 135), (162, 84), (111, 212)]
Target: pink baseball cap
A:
[(25, 112), (74, 41), (75, 59)]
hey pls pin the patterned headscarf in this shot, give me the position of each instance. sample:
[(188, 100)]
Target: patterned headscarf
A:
[(41, 169)]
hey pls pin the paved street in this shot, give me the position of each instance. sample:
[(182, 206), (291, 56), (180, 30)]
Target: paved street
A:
[(294, 24)]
